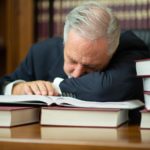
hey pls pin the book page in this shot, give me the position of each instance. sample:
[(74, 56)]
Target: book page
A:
[(66, 101), (26, 99), (69, 101)]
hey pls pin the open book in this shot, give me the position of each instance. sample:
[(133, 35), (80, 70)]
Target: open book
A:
[(66, 101)]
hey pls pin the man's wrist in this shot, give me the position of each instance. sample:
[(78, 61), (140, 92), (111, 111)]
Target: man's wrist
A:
[(56, 84), (9, 87)]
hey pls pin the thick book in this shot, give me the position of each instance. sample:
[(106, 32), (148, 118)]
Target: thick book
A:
[(147, 99), (83, 117), (66, 101), (16, 115), (145, 119), (143, 67), (146, 83)]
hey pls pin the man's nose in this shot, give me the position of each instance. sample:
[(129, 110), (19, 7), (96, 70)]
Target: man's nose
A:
[(78, 71)]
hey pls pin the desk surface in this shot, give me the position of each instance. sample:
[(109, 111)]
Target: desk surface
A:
[(40, 137)]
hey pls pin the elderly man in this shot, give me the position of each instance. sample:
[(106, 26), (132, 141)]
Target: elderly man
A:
[(93, 62)]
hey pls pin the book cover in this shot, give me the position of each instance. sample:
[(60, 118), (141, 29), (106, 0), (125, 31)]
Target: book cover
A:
[(15, 115), (83, 117), (145, 119)]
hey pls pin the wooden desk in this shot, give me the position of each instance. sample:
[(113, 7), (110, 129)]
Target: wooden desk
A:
[(36, 137)]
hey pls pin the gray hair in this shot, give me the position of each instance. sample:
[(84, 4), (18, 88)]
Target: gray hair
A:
[(92, 21)]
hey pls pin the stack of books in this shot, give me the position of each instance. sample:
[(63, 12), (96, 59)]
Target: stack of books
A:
[(63, 111), (143, 70)]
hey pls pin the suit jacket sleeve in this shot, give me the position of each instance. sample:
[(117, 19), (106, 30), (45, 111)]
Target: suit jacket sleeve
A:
[(44, 61), (118, 81), (23, 72)]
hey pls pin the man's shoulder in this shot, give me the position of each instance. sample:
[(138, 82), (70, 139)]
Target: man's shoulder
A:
[(50, 42), (128, 37), (128, 40), (48, 46)]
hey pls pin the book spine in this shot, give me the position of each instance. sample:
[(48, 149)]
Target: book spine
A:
[(42, 20)]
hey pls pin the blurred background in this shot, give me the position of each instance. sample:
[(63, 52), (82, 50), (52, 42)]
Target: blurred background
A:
[(24, 22)]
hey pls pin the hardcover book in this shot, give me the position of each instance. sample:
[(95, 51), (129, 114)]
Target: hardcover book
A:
[(147, 99), (146, 83), (15, 115), (83, 117)]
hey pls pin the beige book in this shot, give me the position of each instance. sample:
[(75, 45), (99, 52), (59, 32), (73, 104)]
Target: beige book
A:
[(17, 115)]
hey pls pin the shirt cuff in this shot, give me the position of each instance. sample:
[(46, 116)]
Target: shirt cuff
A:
[(56, 84), (8, 87)]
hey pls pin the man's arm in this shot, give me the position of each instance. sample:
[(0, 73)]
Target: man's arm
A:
[(118, 81), (43, 62)]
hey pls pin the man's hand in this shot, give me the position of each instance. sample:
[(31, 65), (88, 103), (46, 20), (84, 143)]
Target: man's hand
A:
[(34, 88)]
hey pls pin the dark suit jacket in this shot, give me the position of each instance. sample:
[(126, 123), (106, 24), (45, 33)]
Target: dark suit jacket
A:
[(116, 83)]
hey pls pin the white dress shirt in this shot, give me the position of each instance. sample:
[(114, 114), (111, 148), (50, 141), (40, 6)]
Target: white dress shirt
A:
[(55, 84)]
